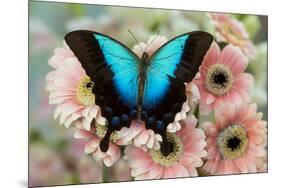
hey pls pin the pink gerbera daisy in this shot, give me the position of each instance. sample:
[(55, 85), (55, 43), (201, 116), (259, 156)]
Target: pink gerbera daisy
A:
[(71, 90), (187, 150), (235, 141), (192, 93), (93, 137), (60, 55), (231, 30), (222, 78), (139, 136)]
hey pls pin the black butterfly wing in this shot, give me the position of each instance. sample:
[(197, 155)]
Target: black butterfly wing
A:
[(114, 70)]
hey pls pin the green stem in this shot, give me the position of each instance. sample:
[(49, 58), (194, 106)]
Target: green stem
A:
[(105, 171)]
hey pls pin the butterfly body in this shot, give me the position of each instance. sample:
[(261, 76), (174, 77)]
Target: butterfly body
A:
[(150, 88), (142, 76)]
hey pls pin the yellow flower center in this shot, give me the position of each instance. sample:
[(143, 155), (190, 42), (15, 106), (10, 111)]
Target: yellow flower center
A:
[(233, 141), (101, 131), (173, 156), (219, 79), (84, 92)]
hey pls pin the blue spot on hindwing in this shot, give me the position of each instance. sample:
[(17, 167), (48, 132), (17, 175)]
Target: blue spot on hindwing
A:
[(115, 121), (124, 118), (160, 125), (151, 120), (144, 115), (133, 113)]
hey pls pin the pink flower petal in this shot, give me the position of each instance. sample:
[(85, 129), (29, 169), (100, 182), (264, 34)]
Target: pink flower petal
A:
[(233, 57), (144, 166)]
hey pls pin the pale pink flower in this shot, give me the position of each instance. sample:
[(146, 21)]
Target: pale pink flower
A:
[(60, 55), (188, 149), (93, 137), (70, 89), (139, 136), (154, 42), (76, 147), (223, 78), (236, 140), (231, 30), (192, 93)]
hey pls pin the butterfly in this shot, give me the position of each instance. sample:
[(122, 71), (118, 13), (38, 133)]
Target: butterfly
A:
[(126, 87)]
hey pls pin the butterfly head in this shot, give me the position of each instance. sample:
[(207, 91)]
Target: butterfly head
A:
[(145, 57)]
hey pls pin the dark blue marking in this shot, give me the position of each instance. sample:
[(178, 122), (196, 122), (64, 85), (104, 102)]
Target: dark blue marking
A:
[(151, 120), (124, 118), (133, 113), (115, 121), (144, 115), (160, 124)]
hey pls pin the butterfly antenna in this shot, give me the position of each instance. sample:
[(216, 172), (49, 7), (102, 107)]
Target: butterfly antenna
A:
[(152, 40), (136, 40)]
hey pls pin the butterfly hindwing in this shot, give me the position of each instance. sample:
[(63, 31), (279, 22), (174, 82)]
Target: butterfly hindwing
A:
[(174, 63), (114, 70)]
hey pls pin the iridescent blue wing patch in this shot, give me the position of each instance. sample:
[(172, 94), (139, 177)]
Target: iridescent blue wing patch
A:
[(124, 65)]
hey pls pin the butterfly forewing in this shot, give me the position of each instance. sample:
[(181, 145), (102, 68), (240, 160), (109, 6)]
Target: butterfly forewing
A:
[(114, 70)]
